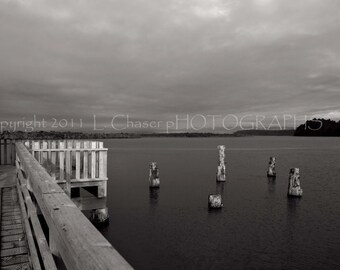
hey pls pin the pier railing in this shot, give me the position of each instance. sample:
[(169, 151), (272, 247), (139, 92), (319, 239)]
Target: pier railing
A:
[(72, 237), (73, 163), (7, 152)]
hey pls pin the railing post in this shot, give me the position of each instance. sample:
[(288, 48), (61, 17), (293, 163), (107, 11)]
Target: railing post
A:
[(93, 160), (53, 160), (44, 160), (86, 159), (102, 167), (77, 160), (5, 151), (36, 154), (68, 168), (13, 152), (61, 160)]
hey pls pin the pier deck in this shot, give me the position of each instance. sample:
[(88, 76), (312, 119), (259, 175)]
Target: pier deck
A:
[(31, 196), (14, 249)]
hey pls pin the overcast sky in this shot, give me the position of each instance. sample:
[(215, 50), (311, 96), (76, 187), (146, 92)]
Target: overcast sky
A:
[(153, 59)]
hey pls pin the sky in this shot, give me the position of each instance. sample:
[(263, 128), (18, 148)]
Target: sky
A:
[(158, 60)]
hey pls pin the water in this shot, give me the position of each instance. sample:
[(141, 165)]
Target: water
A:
[(258, 228)]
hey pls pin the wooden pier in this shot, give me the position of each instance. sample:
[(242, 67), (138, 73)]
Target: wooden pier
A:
[(37, 180)]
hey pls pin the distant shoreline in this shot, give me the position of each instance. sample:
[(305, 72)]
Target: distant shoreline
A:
[(53, 135), (312, 128)]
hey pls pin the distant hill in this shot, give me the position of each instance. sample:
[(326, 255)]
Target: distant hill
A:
[(55, 135), (319, 127), (254, 132), (67, 135)]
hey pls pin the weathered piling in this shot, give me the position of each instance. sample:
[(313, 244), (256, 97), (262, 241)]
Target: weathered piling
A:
[(100, 216), (271, 168), (221, 171), (154, 175), (215, 201), (294, 188)]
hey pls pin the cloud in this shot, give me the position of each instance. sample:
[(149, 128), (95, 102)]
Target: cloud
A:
[(161, 58)]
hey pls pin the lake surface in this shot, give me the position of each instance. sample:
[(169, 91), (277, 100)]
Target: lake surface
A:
[(258, 228)]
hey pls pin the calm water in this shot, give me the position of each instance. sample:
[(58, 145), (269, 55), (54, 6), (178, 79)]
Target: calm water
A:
[(258, 228)]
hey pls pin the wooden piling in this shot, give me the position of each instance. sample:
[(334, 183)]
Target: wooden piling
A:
[(294, 188), (154, 180), (215, 201), (221, 167), (271, 167)]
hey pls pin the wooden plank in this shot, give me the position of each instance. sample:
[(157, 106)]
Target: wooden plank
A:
[(49, 142), (1, 152), (11, 222), (44, 160), (12, 232), (97, 161), (27, 144), (16, 217), (53, 160), (11, 226), (13, 244), (9, 208), (86, 162), (37, 151), (5, 152), (93, 160), (21, 266), (11, 238), (103, 164), (75, 181), (8, 196), (13, 152), (73, 153), (14, 251), (80, 245), (95, 183), (61, 160), (10, 152), (68, 169), (57, 149), (78, 160), (10, 260), (11, 214)]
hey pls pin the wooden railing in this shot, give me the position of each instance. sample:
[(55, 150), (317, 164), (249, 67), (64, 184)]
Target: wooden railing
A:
[(72, 237), (40, 254), (73, 162), (7, 152)]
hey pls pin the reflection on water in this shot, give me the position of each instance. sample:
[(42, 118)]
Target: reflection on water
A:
[(271, 184), (220, 188), (154, 195), (293, 204)]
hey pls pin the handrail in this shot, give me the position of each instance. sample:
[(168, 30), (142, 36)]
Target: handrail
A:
[(80, 245), (34, 224)]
